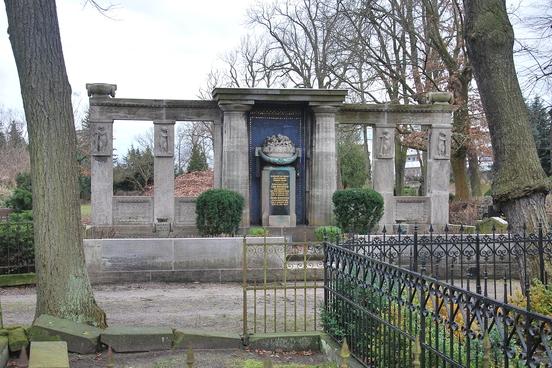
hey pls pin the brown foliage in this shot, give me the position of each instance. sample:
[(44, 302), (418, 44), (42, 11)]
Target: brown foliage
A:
[(190, 184)]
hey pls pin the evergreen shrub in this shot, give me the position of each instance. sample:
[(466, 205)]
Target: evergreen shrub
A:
[(357, 210), (329, 233), (218, 211)]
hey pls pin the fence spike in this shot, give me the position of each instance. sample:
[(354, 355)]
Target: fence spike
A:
[(344, 353), (416, 363), (190, 359), (110, 360), (23, 360)]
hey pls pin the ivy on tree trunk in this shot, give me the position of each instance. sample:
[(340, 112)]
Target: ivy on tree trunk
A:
[(63, 286)]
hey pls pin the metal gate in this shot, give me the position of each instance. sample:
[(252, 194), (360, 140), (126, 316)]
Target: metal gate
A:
[(282, 285)]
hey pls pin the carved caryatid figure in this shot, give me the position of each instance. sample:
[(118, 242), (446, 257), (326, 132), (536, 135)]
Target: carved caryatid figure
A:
[(384, 144), (100, 140), (442, 145), (164, 140)]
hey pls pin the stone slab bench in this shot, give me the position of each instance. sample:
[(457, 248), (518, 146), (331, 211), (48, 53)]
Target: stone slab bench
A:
[(80, 338), (49, 354), (135, 339)]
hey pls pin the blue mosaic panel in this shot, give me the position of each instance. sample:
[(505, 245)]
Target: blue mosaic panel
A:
[(264, 123)]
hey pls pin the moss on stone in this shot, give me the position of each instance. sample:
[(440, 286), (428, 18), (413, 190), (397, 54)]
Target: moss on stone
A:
[(17, 339), (17, 279)]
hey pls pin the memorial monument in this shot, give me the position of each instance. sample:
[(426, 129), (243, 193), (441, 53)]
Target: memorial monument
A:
[(276, 147)]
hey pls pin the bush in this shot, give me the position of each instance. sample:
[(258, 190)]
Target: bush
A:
[(218, 211), (331, 233), (20, 200), (258, 231), (357, 210), (16, 245), (541, 298)]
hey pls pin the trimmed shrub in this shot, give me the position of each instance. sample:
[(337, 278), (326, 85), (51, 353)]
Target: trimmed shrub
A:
[(331, 233), (20, 200), (357, 210), (218, 211), (17, 244), (258, 231)]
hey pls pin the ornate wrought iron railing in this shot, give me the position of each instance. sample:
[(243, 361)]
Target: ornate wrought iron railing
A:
[(481, 263), (382, 309)]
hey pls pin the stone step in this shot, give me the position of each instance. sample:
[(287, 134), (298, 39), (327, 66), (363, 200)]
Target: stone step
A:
[(134, 339), (49, 354), (80, 338)]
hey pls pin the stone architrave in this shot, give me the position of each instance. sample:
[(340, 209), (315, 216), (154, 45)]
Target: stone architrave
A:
[(383, 168), (324, 165), (438, 171), (235, 158), (163, 168), (101, 168)]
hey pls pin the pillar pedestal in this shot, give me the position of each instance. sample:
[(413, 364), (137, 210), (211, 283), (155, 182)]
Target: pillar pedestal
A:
[(383, 168), (163, 170), (324, 166), (235, 157), (101, 166)]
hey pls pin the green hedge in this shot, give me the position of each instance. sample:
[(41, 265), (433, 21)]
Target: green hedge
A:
[(357, 210), (329, 233), (218, 211), (16, 245)]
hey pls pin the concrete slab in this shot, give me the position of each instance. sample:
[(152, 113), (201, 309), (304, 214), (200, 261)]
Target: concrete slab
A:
[(49, 354), (287, 341), (203, 340), (134, 339), (80, 338), (4, 351)]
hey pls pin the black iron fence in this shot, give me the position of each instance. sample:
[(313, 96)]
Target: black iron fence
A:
[(16, 247), (480, 263), (383, 309)]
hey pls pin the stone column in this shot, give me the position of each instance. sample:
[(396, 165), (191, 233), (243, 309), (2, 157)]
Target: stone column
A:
[(438, 170), (163, 170), (235, 152), (383, 168), (324, 166), (217, 153), (101, 166)]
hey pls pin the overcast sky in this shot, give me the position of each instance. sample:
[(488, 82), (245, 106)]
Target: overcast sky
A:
[(150, 49)]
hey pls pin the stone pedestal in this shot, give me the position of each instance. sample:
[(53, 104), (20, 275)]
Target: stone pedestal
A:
[(278, 196), (438, 171), (163, 169), (235, 160), (383, 168), (101, 167), (324, 166)]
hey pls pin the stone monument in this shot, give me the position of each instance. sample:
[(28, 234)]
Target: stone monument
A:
[(278, 181)]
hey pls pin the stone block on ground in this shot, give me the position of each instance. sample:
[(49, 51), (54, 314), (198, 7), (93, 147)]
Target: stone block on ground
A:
[(134, 339), (49, 354), (286, 341), (4, 351), (486, 225), (205, 340), (17, 339), (80, 338)]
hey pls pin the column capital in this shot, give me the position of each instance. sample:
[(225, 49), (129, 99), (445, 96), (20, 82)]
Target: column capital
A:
[(237, 106), (101, 90), (324, 109)]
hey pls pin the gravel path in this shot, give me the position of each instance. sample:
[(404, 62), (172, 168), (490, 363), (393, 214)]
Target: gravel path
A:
[(208, 307)]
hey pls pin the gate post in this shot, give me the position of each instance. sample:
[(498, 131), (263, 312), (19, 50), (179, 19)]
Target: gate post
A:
[(245, 333)]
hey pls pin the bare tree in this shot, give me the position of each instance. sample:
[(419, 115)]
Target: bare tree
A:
[(63, 287)]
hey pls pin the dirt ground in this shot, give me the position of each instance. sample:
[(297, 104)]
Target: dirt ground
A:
[(208, 307)]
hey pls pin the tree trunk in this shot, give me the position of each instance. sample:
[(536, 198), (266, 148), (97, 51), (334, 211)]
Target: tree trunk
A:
[(63, 287), (475, 175), (520, 184), (400, 161), (460, 130), (367, 152)]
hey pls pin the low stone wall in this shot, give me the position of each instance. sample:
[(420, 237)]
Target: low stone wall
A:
[(132, 210), (173, 259)]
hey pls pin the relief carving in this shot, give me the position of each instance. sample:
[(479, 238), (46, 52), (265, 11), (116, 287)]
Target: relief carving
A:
[(385, 146), (100, 141)]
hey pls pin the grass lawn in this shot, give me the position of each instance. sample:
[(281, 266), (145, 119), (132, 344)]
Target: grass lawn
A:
[(86, 210)]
